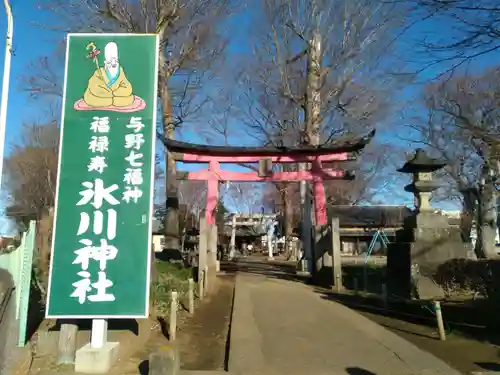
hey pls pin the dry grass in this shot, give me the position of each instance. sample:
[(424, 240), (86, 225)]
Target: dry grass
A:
[(171, 277)]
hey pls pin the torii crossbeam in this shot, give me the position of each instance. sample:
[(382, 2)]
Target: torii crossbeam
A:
[(340, 151)]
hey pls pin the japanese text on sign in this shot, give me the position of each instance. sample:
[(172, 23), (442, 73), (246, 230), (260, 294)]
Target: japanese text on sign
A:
[(133, 177), (95, 194)]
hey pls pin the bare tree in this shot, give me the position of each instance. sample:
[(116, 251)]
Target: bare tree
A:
[(193, 195), (245, 197), (191, 41), (356, 90), (475, 26), (31, 170), (45, 79), (462, 128), (192, 201)]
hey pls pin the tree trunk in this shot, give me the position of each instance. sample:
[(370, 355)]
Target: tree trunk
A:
[(488, 221), (312, 130), (153, 270), (183, 240), (467, 215), (171, 224), (43, 235)]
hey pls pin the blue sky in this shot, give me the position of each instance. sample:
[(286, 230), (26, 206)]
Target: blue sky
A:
[(26, 48), (30, 42)]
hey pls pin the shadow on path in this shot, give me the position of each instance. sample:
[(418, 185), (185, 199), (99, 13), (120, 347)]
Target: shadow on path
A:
[(260, 266), (358, 371), (489, 366), (467, 348)]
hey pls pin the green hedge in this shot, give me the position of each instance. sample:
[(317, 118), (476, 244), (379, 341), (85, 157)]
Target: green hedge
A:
[(459, 276)]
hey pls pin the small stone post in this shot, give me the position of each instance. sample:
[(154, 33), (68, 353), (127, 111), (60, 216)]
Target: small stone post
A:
[(201, 283), (66, 349), (206, 281), (173, 317), (191, 296), (439, 319), (165, 361)]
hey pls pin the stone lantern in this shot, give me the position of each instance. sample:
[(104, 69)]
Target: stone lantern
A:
[(426, 240), (422, 168)]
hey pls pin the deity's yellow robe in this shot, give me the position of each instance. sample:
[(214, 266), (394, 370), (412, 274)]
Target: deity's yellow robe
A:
[(98, 94)]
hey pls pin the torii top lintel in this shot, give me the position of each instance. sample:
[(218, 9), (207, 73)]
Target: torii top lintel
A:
[(214, 155), (199, 153)]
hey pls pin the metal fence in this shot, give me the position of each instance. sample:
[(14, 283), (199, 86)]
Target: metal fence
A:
[(19, 263)]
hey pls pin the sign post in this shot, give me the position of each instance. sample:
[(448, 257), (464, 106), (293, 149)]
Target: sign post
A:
[(100, 263)]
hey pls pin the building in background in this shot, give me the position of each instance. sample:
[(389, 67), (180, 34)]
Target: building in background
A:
[(158, 236), (359, 224)]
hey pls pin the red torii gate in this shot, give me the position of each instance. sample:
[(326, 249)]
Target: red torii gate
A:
[(340, 151)]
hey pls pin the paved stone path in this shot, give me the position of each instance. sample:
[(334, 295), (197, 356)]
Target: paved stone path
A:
[(285, 327)]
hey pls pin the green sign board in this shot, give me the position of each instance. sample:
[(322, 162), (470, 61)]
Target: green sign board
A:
[(103, 211)]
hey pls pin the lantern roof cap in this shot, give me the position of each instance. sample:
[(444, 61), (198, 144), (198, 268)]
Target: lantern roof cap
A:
[(421, 162)]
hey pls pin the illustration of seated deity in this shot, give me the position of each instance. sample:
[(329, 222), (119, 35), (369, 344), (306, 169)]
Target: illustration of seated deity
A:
[(109, 89)]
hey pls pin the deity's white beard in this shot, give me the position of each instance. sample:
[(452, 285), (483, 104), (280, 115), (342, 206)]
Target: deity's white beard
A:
[(113, 72)]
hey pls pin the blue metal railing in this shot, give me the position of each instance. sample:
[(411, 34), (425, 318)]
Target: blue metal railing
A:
[(379, 234)]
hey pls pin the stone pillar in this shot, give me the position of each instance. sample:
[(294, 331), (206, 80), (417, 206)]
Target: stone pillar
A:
[(270, 239), (322, 256), (202, 248), (336, 259), (423, 198), (270, 252), (165, 361), (233, 238), (212, 244), (212, 254), (307, 245), (327, 261)]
